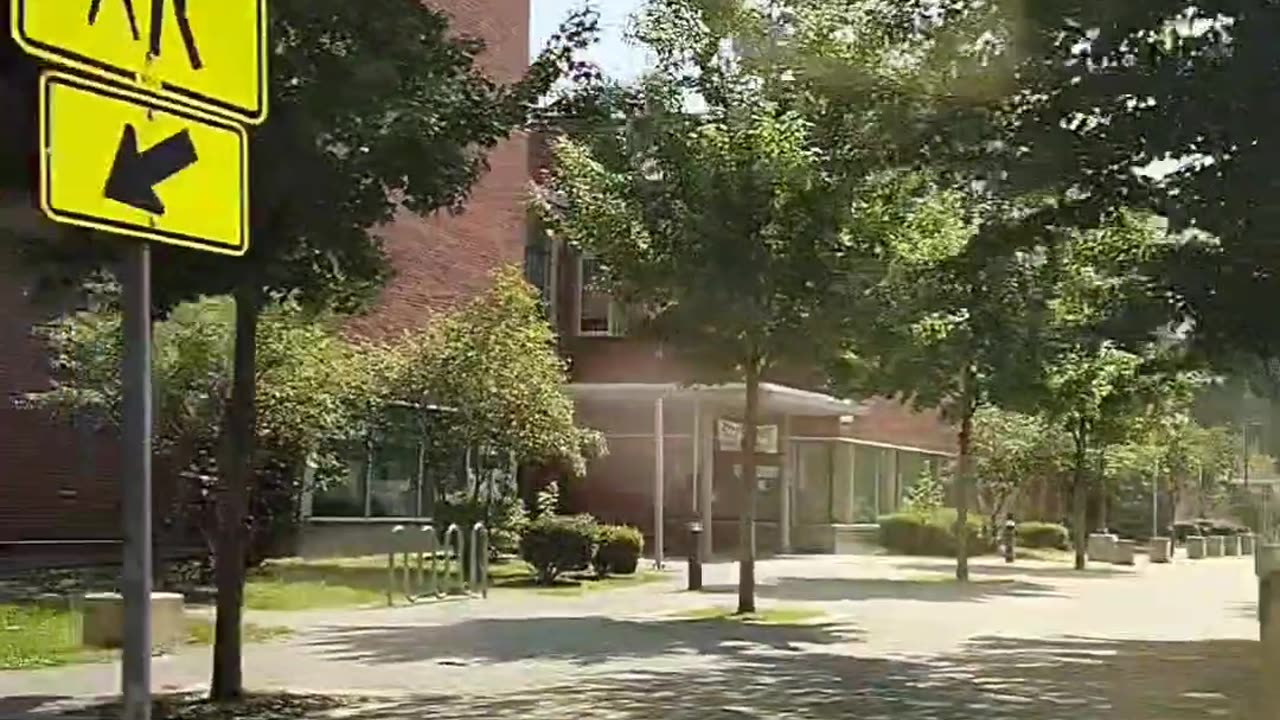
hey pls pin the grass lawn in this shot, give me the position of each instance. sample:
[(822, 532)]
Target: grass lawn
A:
[(35, 637), (298, 584), (1045, 555), (781, 615), (521, 577)]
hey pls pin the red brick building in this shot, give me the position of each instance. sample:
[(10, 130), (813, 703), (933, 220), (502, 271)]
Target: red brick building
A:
[(827, 465)]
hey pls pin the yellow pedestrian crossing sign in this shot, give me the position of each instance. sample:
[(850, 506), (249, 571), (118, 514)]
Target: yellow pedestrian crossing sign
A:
[(208, 53), (127, 163)]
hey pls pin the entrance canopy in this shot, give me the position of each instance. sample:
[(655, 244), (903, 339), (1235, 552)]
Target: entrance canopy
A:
[(774, 399)]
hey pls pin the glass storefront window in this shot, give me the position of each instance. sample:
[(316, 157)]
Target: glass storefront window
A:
[(866, 492), (400, 473), (393, 482), (813, 483), (843, 500), (344, 498)]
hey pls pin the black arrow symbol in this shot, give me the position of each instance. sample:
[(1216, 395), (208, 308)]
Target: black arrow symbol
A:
[(134, 174)]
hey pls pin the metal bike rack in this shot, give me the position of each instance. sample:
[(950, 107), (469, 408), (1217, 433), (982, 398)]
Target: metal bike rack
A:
[(479, 580), (413, 585), (397, 533), (453, 542), (416, 584), (431, 546)]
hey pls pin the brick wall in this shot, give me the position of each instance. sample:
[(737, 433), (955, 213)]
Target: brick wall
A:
[(445, 259), (56, 481)]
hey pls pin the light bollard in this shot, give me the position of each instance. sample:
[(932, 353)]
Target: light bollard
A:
[(479, 576), (695, 556)]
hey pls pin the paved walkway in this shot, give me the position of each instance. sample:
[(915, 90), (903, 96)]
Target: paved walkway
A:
[(1033, 641)]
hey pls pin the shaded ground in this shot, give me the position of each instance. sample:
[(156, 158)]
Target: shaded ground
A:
[(1158, 642)]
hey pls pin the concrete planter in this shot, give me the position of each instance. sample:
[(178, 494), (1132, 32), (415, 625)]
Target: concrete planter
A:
[(1161, 550), (1122, 552), (1246, 544), (1101, 547), (1231, 545), (1196, 547), (104, 620), (1213, 546)]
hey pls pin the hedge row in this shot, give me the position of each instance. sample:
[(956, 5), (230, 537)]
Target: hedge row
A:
[(1043, 535), (932, 533)]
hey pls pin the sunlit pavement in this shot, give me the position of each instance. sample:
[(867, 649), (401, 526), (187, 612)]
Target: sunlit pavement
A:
[(1035, 640)]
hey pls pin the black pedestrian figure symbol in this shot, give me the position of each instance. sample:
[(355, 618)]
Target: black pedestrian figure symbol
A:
[(157, 24), (95, 8)]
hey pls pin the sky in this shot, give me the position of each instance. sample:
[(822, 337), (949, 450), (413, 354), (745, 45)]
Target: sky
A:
[(613, 54)]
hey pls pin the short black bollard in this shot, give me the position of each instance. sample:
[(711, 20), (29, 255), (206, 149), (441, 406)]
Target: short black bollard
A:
[(1010, 537), (695, 556)]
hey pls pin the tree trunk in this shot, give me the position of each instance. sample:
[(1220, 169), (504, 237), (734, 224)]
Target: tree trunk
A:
[(228, 682), (1080, 496), (964, 480), (747, 532)]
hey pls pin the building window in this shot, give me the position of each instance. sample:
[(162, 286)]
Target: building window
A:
[(540, 269), (389, 475), (598, 313)]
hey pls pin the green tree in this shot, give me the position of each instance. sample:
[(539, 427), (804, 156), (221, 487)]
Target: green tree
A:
[(314, 391), (745, 223), (375, 106), (1009, 449), (1162, 105), (945, 317), (495, 364), (1108, 349)]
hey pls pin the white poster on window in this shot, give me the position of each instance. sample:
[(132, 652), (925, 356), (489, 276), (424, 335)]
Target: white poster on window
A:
[(730, 437)]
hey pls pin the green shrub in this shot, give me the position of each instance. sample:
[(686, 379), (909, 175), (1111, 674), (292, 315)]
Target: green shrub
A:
[(618, 549), (554, 544), (925, 497), (1035, 534), (913, 533)]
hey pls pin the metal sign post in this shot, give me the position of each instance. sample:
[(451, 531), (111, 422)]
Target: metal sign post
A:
[(154, 150), (136, 677)]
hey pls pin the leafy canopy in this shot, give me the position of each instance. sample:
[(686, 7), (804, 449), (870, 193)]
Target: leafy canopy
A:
[(738, 198), (319, 392)]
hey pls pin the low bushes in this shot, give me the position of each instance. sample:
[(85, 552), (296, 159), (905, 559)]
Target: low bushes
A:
[(618, 549), (933, 533), (555, 544), (1204, 526), (1035, 534)]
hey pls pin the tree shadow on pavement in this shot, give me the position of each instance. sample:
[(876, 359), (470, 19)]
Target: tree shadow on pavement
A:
[(580, 640), (993, 678), (1093, 571), (19, 706), (942, 590)]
